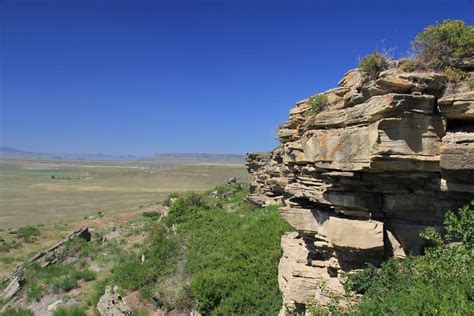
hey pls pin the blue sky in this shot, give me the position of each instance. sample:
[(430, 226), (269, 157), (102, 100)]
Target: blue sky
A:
[(141, 77)]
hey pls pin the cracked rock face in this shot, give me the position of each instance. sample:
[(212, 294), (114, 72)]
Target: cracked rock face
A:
[(360, 180)]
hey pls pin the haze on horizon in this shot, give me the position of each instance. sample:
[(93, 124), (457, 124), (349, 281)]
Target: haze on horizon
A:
[(140, 77)]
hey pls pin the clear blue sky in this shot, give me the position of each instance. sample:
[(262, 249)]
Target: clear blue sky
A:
[(139, 77)]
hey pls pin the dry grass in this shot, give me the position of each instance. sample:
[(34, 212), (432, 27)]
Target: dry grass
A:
[(29, 194)]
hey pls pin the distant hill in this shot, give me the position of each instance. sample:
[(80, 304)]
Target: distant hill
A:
[(10, 152), (171, 158), (13, 152), (198, 158)]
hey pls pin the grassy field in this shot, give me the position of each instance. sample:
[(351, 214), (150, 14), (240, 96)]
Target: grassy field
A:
[(212, 251), (46, 191)]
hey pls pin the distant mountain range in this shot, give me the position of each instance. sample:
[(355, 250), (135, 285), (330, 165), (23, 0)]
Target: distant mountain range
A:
[(9, 152), (180, 158), (198, 158)]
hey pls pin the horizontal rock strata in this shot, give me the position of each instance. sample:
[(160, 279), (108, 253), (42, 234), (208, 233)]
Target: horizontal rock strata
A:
[(359, 181)]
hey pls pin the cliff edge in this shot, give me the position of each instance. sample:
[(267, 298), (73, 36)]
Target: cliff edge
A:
[(385, 158)]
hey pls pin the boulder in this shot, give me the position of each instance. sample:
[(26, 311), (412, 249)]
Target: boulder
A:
[(112, 304)]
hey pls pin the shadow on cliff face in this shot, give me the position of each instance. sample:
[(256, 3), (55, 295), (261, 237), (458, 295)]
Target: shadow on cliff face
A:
[(352, 258), (409, 131), (407, 236)]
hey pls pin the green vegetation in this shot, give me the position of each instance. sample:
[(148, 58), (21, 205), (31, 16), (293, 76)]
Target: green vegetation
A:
[(97, 291), (318, 103), (212, 251), (6, 246), (372, 65), (437, 283), (34, 292), (70, 311), (470, 83), (17, 312), (443, 45), (454, 74), (410, 64), (7, 259), (440, 47), (152, 214), (54, 278), (28, 233)]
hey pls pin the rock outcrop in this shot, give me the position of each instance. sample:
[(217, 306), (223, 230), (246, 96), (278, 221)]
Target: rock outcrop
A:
[(113, 304), (361, 179), (13, 294)]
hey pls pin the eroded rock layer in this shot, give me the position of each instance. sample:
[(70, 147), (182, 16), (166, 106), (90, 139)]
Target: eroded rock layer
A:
[(361, 179)]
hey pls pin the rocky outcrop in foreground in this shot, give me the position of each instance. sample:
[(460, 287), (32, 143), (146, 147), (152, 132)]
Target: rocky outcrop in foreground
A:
[(361, 179), (13, 294), (113, 304)]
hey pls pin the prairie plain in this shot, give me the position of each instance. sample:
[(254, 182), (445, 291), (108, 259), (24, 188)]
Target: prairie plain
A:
[(52, 191)]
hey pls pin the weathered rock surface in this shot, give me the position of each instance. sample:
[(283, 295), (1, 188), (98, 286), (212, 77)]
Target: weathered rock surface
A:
[(112, 304), (360, 180), (13, 293)]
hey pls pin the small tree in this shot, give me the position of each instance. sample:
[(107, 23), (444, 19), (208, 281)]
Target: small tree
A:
[(442, 45), (372, 65), (318, 103)]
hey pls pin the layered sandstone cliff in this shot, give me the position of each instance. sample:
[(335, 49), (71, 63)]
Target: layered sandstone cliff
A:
[(361, 179)]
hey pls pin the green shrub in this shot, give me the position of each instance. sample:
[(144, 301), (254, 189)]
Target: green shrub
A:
[(28, 233), (470, 83), (437, 283), (90, 249), (70, 311), (454, 74), (442, 45), (7, 259), (460, 226), (185, 207), (56, 278), (132, 274), (410, 65), (372, 65), (4, 246), (73, 247), (34, 292), (64, 283), (152, 215), (98, 289), (233, 258), (318, 103), (86, 275), (17, 312)]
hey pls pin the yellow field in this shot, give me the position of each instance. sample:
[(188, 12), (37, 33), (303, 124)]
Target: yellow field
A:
[(47, 191)]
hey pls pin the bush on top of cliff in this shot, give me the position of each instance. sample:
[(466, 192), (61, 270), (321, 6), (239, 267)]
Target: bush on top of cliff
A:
[(443, 45), (439, 282), (372, 65), (318, 103)]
